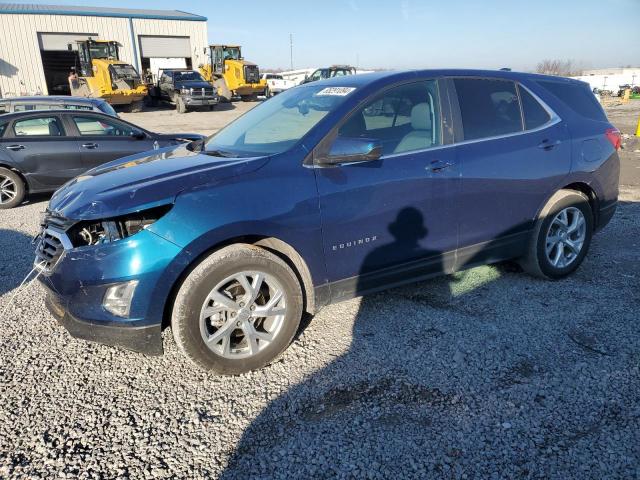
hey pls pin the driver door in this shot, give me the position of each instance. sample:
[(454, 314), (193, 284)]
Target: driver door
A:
[(102, 139), (395, 218)]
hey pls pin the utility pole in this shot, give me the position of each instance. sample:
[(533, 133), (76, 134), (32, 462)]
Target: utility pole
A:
[(291, 48)]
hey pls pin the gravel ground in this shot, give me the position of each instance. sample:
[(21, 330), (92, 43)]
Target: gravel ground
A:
[(485, 374)]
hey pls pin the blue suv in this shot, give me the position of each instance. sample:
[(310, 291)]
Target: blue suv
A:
[(328, 191)]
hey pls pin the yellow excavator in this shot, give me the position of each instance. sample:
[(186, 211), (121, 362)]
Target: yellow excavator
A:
[(103, 75), (232, 75)]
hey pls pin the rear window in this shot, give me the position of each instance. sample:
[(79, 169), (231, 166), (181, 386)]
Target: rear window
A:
[(489, 108), (534, 114), (108, 109), (577, 97)]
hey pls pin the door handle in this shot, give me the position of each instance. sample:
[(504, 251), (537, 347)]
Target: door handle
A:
[(90, 146), (438, 166), (547, 144), (15, 148)]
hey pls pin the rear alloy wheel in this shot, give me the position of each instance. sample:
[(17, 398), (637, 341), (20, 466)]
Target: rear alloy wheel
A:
[(12, 189), (238, 310), (561, 237)]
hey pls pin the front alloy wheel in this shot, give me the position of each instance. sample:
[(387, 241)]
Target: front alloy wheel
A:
[(238, 310), (243, 314)]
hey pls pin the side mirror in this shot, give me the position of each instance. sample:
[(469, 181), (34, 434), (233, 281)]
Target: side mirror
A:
[(138, 135), (351, 150)]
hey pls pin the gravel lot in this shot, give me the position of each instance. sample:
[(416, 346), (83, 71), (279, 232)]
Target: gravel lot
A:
[(485, 374)]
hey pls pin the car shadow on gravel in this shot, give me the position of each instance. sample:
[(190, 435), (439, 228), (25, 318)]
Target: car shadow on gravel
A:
[(16, 259), (476, 373)]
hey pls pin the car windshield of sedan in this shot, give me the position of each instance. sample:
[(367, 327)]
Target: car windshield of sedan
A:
[(277, 124)]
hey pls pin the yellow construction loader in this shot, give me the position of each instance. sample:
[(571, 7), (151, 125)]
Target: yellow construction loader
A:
[(103, 75), (232, 75)]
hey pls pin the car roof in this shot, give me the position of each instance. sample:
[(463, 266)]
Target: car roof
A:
[(7, 117), (52, 99), (390, 76)]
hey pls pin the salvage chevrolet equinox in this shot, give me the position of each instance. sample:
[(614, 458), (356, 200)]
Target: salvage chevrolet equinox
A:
[(327, 191)]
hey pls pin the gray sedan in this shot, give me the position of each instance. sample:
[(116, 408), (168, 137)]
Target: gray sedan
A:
[(41, 150)]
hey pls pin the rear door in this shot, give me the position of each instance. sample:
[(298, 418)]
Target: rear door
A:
[(40, 148), (514, 153), (102, 138)]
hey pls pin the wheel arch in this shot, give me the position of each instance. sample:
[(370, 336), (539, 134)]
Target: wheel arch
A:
[(17, 172), (274, 245), (591, 194)]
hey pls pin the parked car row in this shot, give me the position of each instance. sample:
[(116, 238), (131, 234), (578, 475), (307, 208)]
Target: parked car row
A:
[(329, 190)]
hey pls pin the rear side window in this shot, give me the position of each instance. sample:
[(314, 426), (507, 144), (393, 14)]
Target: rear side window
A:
[(488, 107), (22, 107), (577, 97), (534, 114), (4, 108), (40, 126)]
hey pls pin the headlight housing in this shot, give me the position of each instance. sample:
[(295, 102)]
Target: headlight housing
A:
[(96, 232)]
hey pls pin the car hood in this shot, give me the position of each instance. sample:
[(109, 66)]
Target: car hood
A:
[(143, 181), (192, 84)]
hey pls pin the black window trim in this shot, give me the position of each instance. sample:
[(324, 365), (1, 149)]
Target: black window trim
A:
[(324, 145), (554, 118)]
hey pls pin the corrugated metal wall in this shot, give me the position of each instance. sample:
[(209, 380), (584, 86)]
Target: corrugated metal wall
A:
[(21, 69)]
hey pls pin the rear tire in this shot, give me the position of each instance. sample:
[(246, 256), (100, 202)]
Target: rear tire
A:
[(561, 236), (216, 315), (12, 189)]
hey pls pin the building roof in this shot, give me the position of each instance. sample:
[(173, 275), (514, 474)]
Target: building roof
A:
[(20, 8)]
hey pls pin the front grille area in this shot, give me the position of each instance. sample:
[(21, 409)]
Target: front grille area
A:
[(49, 249), (251, 74)]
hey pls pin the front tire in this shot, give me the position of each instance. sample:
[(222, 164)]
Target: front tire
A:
[(237, 311), (12, 189), (181, 107), (561, 236)]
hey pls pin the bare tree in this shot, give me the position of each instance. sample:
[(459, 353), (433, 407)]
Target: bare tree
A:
[(562, 68)]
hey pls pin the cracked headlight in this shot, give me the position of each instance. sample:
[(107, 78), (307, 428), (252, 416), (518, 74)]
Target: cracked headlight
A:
[(95, 232)]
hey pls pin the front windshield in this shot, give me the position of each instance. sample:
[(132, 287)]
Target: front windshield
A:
[(278, 124), (232, 53), (188, 76), (103, 50)]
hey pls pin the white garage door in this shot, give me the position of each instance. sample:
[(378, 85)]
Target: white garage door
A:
[(60, 41), (151, 46)]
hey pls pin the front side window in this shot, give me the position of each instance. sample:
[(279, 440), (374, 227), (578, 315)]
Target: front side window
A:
[(403, 119), (534, 114), (3, 127), (489, 108), (317, 75), (277, 125), (39, 126), (88, 126)]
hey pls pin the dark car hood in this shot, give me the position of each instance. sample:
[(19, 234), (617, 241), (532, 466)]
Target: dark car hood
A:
[(192, 84), (143, 181)]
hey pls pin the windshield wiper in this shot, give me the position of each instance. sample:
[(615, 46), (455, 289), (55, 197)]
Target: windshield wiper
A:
[(219, 153)]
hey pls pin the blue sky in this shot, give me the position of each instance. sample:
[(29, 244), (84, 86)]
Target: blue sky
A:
[(418, 34)]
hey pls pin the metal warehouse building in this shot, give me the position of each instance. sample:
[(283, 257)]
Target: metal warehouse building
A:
[(34, 42)]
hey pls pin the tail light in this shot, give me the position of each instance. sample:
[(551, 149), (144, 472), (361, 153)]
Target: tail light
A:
[(613, 135)]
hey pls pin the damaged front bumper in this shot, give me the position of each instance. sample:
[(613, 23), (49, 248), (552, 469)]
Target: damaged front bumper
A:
[(78, 281)]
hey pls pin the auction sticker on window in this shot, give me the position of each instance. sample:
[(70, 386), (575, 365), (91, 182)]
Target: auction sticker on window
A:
[(335, 91)]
